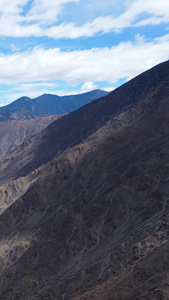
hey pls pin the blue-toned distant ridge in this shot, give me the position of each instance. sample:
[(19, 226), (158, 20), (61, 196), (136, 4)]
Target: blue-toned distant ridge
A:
[(46, 105)]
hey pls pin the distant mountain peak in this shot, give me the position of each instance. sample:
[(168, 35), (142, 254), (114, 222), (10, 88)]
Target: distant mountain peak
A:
[(46, 105)]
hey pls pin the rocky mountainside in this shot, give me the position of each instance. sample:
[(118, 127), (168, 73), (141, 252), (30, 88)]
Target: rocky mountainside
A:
[(46, 105), (14, 133), (84, 216)]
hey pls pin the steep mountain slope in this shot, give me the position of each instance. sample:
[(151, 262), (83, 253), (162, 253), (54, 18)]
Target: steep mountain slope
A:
[(46, 105), (14, 133), (92, 223), (143, 92)]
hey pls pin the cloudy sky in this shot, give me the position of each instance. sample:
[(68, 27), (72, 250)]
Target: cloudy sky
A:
[(73, 46)]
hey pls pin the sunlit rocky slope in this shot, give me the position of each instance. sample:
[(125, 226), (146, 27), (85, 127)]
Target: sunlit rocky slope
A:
[(13, 133), (84, 204)]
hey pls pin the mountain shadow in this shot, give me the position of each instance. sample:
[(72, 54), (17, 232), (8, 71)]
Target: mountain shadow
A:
[(84, 204)]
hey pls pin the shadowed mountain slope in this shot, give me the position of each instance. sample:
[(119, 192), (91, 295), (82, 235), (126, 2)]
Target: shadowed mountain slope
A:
[(92, 223), (46, 105), (143, 92), (14, 133)]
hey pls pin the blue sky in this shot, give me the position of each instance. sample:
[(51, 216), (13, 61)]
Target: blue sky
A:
[(67, 47)]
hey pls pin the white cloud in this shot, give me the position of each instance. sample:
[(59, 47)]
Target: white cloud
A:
[(140, 39), (32, 85), (125, 60), (32, 90), (162, 39), (13, 8), (41, 19), (14, 23), (88, 86), (46, 11), (108, 89), (87, 68), (14, 48)]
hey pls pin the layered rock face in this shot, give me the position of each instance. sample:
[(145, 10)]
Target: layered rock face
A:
[(84, 204), (14, 133)]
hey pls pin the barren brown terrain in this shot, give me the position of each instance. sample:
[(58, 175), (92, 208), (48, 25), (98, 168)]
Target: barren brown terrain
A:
[(14, 133), (84, 204)]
